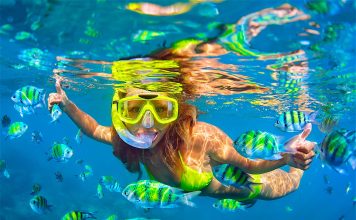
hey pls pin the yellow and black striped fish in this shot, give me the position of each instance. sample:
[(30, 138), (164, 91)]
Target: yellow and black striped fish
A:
[(255, 144), (40, 205), (29, 96), (60, 152), (292, 121), (338, 150), (230, 175), (78, 215), (36, 188)]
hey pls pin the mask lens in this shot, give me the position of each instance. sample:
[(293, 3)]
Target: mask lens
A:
[(131, 109), (163, 108)]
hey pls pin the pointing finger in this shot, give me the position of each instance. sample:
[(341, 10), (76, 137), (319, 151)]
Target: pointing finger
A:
[(58, 86)]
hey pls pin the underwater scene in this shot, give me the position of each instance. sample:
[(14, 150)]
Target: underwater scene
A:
[(165, 109)]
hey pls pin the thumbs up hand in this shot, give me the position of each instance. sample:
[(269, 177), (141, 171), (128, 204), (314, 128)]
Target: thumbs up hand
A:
[(60, 97), (302, 150)]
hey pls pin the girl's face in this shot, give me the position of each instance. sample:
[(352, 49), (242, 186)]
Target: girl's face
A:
[(147, 127)]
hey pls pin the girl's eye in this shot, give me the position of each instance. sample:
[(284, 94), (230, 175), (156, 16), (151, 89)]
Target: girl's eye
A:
[(135, 109), (160, 109)]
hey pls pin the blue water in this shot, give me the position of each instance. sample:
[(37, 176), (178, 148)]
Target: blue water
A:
[(60, 29)]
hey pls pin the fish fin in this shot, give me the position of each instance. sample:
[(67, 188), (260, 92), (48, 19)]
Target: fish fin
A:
[(44, 99), (49, 155), (19, 109), (65, 140), (251, 185), (8, 137), (53, 121), (274, 157), (317, 148), (90, 215), (339, 170), (39, 105), (352, 162), (279, 139), (312, 117), (185, 198), (176, 190), (6, 174), (96, 196)]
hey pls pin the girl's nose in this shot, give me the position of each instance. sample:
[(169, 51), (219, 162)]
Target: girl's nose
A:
[(148, 121)]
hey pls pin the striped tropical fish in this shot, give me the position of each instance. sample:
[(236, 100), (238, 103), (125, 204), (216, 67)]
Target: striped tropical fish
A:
[(78, 215), (29, 96), (153, 194), (60, 152), (56, 112), (40, 205), (36, 188), (16, 130), (230, 175), (230, 205), (292, 121), (99, 191), (110, 183), (338, 150), (256, 144)]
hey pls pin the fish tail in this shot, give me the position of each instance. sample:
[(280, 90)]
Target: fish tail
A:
[(50, 157), (89, 215), (185, 198), (247, 204), (6, 174), (6, 135)]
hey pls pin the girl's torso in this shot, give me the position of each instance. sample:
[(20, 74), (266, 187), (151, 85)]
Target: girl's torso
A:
[(196, 170)]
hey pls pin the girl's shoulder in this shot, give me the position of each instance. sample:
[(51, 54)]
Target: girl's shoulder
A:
[(207, 129)]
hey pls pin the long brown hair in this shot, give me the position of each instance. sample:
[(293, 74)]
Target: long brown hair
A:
[(176, 136)]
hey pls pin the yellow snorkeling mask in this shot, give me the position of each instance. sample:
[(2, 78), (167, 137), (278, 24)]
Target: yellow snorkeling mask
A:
[(133, 109)]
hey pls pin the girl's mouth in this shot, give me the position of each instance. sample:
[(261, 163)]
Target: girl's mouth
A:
[(149, 136)]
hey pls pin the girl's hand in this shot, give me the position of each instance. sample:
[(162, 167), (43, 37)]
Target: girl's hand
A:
[(303, 150), (59, 97)]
